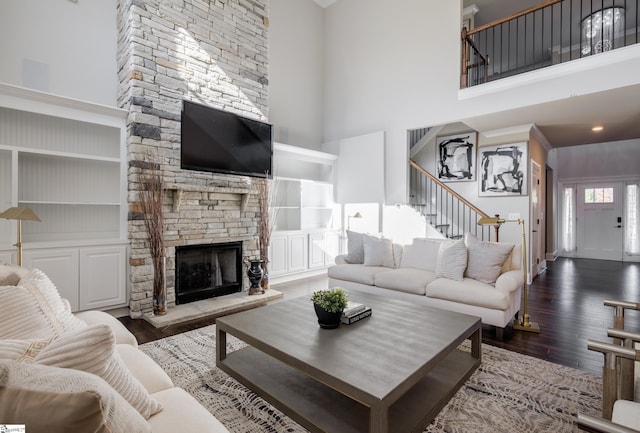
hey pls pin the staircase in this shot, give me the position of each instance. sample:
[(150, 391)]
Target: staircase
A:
[(443, 209)]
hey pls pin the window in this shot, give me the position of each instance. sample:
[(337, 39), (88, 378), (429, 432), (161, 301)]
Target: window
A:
[(632, 220), (598, 195), (569, 219)]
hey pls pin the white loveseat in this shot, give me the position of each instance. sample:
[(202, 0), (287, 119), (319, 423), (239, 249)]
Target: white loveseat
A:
[(64, 372), (469, 276)]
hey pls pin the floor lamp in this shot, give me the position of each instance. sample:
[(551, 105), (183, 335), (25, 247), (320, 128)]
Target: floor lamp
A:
[(357, 215), (523, 324), (20, 214)]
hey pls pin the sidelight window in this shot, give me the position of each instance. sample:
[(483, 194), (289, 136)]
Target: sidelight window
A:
[(569, 219), (632, 220)]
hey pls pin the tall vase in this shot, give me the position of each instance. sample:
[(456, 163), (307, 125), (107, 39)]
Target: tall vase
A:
[(159, 285), (255, 275), (264, 281)]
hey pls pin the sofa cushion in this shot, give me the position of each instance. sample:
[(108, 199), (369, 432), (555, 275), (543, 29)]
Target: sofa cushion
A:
[(378, 251), (95, 317), (59, 400), (452, 260), (34, 309), (468, 291), (356, 273), (11, 274), (485, 259), (143, 368), (405, 280), (92, 350), (355, 248), (184, 414), (625, 413), (421, 254)]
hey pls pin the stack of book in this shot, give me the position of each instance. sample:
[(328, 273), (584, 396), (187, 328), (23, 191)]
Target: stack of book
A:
[(354, 312)]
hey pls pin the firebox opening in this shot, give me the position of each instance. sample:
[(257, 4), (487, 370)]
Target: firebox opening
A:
[(205, 271)]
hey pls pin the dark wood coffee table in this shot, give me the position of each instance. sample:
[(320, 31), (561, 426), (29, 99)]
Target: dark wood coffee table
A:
[(391, 372)]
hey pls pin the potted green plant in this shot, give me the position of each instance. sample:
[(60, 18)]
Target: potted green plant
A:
[(329, 305)]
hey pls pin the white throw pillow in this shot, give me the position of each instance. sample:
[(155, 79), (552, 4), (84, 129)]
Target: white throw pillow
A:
[(92, 350), (452, 260), (34, 309), (378, 251), (60, 400), (355, 248), (485, 259), (421, 254)]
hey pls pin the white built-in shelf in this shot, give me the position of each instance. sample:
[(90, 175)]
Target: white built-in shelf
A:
[(66, 160), (303, 188)]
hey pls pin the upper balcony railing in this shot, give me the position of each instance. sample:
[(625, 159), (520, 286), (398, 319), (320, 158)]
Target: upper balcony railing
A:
[(552, 32)]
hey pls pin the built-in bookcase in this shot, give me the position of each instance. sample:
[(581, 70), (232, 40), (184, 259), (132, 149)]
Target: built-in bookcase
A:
[(306, 231), (303, 187), (67, 171), (66, 160)]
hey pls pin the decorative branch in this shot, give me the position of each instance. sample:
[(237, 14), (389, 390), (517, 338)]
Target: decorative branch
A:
[(268, 213), (151, 201)]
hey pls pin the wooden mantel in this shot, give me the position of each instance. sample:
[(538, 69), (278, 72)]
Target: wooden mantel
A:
[(178, 189)]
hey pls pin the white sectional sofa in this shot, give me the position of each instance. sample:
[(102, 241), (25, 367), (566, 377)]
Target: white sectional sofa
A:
[(469, 276), (64, 372)]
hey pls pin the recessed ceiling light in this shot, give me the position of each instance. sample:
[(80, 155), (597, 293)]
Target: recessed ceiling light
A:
[(598, 128)]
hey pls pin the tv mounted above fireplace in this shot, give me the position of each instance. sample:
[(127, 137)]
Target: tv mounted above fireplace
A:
[(222, 142)]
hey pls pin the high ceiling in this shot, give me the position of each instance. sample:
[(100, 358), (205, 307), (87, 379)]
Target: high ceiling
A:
[(324, 3)]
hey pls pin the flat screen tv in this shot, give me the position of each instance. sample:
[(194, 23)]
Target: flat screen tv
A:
[(222, 142)]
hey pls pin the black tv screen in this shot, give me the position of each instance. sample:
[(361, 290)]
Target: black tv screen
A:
[(222, 142)]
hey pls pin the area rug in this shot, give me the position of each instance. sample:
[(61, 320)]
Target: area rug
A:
[(508, 393)]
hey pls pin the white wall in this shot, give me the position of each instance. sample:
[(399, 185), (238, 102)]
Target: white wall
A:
[(385, 70), (615, 159), (296, 72), (61, 47)]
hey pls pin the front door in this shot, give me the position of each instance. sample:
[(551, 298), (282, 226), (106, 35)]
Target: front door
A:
[(599, 225), (536, 222)]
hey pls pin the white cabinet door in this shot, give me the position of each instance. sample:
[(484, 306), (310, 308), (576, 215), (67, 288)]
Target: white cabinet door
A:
[(316, 250), (102, 277), (61, 266), (298, 253), (7, 258), (278, 255)]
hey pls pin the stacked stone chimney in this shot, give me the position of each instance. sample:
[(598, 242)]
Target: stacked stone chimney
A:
[(213, 52)]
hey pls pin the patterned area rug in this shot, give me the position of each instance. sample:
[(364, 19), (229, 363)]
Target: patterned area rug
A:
[(508, 393)]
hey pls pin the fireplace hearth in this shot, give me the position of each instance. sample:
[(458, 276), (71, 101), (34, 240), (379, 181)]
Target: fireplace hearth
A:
[(206, 271)]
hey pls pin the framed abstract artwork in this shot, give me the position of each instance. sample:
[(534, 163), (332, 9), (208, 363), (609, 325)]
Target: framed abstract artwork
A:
[(456, 157), (503, 170)]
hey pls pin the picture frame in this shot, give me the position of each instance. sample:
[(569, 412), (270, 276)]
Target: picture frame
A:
[(503, 170), (456, 157)]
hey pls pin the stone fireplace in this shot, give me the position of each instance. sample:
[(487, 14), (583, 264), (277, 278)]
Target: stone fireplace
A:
[(213, 52), (205, 271)]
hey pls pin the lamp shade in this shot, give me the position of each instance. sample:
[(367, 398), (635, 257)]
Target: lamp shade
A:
[(19, 213), (490, 221)]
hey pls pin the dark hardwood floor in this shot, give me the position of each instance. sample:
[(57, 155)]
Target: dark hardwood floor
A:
[(565, 300)]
